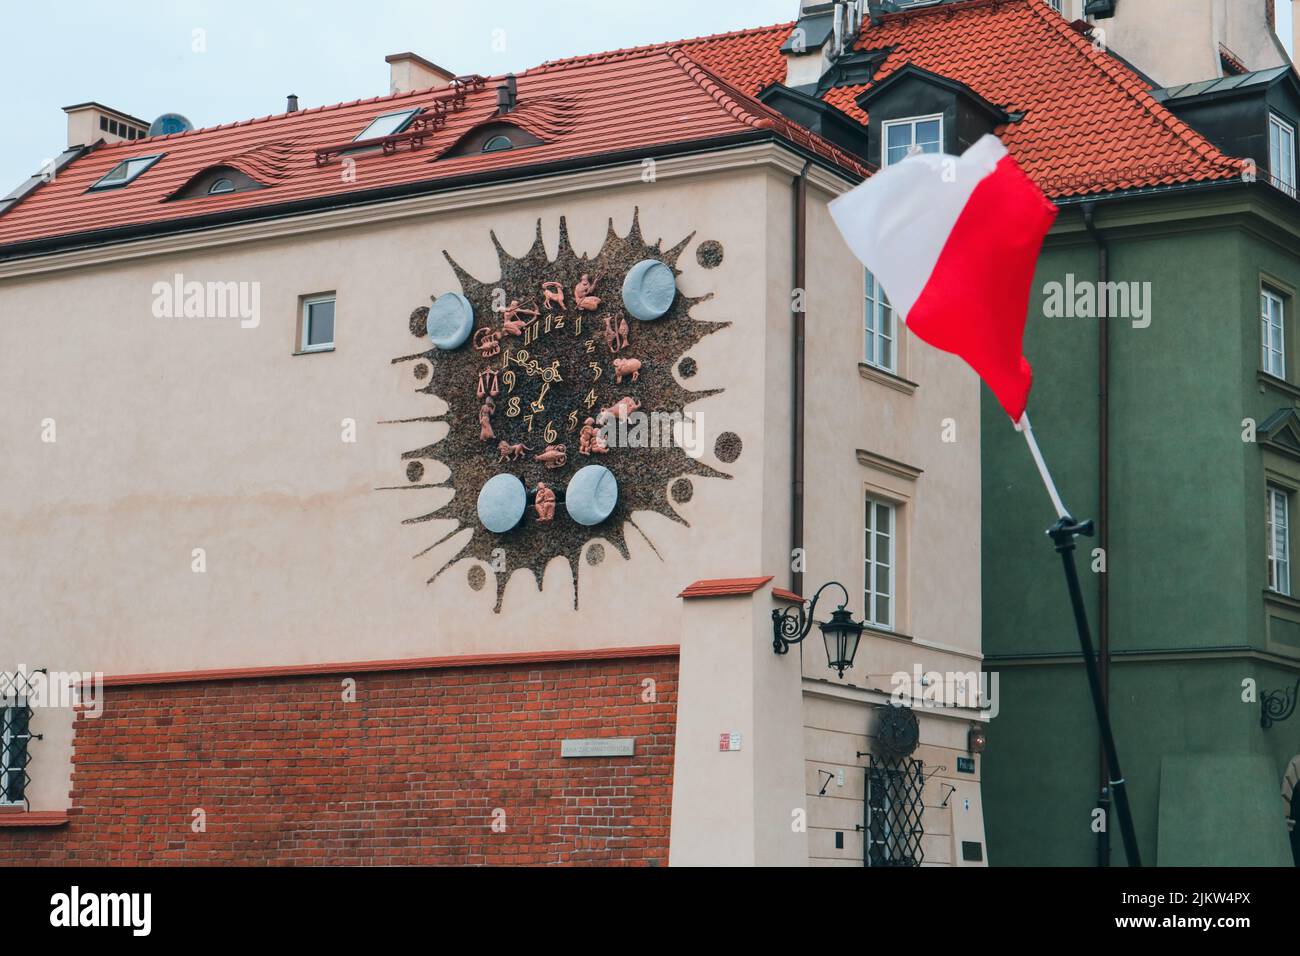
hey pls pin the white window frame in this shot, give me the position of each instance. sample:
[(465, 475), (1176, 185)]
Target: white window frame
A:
[(1272, 318), (1279, 557), (304, 323), (873, 561), (1057, 5), (880, 326), (1281, 162), (911, 121)]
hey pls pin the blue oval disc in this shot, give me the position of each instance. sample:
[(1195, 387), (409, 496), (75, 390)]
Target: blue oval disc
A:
[(649, 289), (501, 503), (450, 321), (591, 495)]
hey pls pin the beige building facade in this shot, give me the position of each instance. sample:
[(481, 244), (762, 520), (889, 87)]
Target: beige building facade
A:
[(195, 496)]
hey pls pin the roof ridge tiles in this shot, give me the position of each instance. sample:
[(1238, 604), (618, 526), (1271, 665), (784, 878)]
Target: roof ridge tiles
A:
[(648, 49), (754, 113)]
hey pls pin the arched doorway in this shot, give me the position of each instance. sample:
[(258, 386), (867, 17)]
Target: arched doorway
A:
[(1291, 802)]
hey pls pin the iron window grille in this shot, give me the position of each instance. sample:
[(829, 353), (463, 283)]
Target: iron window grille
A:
[(15, 735), (894, 810)]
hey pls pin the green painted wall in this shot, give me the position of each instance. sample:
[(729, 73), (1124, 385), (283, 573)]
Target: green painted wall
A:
[(1185, 556)]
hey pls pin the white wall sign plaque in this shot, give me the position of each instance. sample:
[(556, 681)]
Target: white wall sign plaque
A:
[(598, 747)]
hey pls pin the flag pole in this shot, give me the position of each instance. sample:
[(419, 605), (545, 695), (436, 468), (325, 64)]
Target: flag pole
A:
[(1063, 534)]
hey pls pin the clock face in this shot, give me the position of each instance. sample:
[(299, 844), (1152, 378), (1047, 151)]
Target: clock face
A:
[(565, 403), (898, 732)]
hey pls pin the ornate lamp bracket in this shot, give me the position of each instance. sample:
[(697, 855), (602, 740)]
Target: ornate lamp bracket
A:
[(1278, 705)]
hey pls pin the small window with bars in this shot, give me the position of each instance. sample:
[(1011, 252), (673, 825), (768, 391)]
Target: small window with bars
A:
[(15, 734), (894, 825)]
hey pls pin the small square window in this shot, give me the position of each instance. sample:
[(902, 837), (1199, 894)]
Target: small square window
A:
[(387, 124), (125, 172), (317, 333), (902, 138)]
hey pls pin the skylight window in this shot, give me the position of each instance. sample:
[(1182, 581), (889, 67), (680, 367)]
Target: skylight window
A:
[(387, 124), (126, 172), (498, 143)]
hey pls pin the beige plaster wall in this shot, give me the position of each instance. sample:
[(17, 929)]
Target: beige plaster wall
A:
[(1177, 41), (175, 434)]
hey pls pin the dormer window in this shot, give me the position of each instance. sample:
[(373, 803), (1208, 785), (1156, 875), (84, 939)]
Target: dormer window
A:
[(491, 137), (1281, 154), (387, 124), (902, 138), (915, 110), (126, 172), (220, 180)]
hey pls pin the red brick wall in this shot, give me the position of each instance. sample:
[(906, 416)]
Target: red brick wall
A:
[(411, 773)]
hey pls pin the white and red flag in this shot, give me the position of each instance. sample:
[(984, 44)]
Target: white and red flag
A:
[(954, 242)]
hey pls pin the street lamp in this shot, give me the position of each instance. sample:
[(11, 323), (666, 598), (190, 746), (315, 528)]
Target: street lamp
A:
[(841, 633)]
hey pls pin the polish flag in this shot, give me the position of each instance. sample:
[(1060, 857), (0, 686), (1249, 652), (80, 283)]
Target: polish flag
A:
[(954, 242)]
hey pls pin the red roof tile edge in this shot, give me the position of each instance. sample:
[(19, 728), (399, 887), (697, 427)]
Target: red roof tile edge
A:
[(723, 587), (749, 110)]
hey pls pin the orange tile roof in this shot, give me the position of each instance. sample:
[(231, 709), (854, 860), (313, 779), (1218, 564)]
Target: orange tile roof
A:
[(724, 587), (631, 104), (1090, 127)]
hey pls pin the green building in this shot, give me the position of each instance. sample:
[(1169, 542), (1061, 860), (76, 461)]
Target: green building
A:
[(1172, 421)]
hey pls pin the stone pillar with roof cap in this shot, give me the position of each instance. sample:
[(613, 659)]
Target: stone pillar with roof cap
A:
[(743, 806)]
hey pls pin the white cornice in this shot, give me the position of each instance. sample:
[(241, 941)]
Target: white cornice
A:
[(775, 156)]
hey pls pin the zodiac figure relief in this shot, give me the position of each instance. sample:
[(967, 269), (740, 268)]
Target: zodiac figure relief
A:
[(544, 503), (589, 440), (582, 293), (489, 383), (620, 410), (553, 457), (615, 336), (624, 367), (509, 452), (552, 295), (488, 342), (485, 420), (510, 323)]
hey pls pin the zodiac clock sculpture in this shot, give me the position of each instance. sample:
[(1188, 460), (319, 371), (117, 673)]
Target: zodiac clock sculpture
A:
[(564, 404)]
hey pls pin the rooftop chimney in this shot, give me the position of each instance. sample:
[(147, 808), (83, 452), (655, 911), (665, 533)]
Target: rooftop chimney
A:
[(409, 72), (507, 94), (91, 122), (824, 31), (292, 104)]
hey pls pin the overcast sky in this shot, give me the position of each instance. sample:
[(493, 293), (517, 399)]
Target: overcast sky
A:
[(140, 56)]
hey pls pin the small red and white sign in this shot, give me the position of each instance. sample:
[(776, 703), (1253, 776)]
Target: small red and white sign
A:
[(729, 742)]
